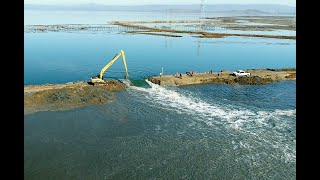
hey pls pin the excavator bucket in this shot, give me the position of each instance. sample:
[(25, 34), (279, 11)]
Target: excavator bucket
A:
[(125, 81)]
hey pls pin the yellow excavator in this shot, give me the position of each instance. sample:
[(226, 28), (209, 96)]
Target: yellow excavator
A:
[(99, 78)]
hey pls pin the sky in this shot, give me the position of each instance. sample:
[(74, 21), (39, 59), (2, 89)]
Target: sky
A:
[(152, 2)]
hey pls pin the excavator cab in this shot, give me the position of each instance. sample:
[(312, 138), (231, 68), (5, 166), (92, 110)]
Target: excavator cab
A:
[(99, 78)]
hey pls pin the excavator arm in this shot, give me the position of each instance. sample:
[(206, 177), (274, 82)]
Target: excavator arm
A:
[(99, 79), (125, 63)]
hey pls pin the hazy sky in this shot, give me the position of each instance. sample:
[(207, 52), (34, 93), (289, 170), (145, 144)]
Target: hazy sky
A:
[(142, 2)]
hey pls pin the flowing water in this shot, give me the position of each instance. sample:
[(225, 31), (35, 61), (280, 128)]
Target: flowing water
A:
[(193, 132), (153, 132)]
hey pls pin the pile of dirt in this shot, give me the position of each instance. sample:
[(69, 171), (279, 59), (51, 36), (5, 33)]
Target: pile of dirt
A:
[(252, 80), (217, 81), (71, 97), (291, 76), (287, 69)]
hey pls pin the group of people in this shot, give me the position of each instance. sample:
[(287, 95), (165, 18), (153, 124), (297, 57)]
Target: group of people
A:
[(178, 75), (209, 72), (190, 73)]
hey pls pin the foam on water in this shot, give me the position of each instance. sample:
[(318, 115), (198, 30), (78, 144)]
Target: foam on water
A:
[(184, 103), (261, 127)]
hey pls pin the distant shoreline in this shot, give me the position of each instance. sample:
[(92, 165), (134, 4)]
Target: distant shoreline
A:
[(251, 9), (232, 23), (275, 27)]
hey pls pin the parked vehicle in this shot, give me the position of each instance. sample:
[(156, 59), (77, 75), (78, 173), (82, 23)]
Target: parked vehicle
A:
[(241, 73)]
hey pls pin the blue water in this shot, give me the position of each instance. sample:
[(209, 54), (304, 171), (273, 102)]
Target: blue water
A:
[(192, 132), (59, 57)]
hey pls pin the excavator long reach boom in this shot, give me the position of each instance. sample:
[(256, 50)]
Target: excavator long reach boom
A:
[(99, 78)]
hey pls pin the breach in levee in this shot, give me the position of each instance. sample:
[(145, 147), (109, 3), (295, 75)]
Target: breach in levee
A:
[(99, 78)]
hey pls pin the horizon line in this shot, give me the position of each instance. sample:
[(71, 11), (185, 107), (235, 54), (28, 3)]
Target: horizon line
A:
[(160, 4)]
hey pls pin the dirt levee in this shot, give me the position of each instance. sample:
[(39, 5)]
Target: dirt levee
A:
[(68, 96), (258, 76)]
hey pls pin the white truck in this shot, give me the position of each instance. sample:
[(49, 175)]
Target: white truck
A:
[(241, 73)]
